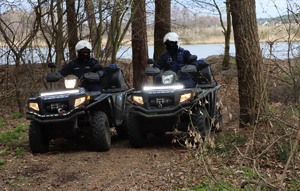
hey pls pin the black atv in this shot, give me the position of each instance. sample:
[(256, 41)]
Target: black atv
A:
[(77, 113), (167, 106)]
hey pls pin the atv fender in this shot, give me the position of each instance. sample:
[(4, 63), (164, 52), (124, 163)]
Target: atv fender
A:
[(100, 99), (120, 106)]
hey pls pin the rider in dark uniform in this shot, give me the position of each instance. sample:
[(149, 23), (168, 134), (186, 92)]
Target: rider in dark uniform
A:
[(174, 58), (84, 63)]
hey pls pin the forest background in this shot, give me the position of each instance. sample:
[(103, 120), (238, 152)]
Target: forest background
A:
[(268, 159)]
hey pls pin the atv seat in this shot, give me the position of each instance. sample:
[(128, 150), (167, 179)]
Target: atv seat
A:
[(113, 81)]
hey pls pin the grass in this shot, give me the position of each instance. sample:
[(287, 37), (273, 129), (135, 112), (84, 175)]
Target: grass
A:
[(17, 115), (210, 185), (2, 122), (225, 143), (12, 141), (13, 137)]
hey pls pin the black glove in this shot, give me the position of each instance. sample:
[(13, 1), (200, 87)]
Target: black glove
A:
[(96, 68), (53, 77), (91, 77)]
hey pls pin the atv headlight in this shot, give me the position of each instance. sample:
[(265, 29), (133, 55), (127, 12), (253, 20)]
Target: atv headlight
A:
[(168, 79), (70, 83), (138, 99), (34, 106), (185, 97), (79, 101)]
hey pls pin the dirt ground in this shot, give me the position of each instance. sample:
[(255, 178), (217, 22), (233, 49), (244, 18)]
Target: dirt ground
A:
[(161, 165)]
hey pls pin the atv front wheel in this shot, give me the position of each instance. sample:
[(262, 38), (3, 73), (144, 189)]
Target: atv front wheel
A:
[(100, 133), (38, 141), (218, 123), (201, 120), (136, 135)]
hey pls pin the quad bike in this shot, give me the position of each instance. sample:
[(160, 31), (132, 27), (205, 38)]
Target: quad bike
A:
[(76, 113), (169, 106)]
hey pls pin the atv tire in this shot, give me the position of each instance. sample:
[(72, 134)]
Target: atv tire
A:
[(100, 133), (38, 141), (136, 135), (201, 120), (218, 123)]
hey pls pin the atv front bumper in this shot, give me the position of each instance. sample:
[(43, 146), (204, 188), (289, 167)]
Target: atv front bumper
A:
[(54, 118), (162, 112)]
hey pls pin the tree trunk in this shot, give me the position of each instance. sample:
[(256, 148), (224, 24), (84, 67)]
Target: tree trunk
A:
[(139, 43), (252, 96), (59, 46), (89, 9), (227, 33), (98, 47), (72, 28), (114, 30), (162, 25), (17, 81)]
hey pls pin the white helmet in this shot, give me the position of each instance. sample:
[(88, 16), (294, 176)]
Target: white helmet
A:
[(83, 44), (172, 36)]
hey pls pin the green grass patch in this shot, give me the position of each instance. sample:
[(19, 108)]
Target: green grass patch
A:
[(225, 143), (294, 186), (14, 137), (19, 151), (13, 141), (2, 161), (2, 122), (248, 172), (285, 76), (16, 115), (215, 186), (283, 151), (4, 152)]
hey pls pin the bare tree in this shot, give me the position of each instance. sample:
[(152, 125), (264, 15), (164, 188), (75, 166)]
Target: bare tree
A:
[(90, 13), (59, 46), (72, 27), (117, 28), (252, 96), (139, 43), (226, 29), (17, 43), (227, 32), (162, 25)]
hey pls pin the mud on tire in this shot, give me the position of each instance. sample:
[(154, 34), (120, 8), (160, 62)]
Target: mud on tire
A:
[(136, 135), (100, 133), (38, 140)]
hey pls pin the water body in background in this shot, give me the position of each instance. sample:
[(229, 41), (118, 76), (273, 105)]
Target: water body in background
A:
[(279, 51), (201, 50)]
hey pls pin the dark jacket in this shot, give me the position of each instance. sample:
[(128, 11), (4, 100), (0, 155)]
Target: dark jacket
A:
[(78, 69), (174, 63)]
